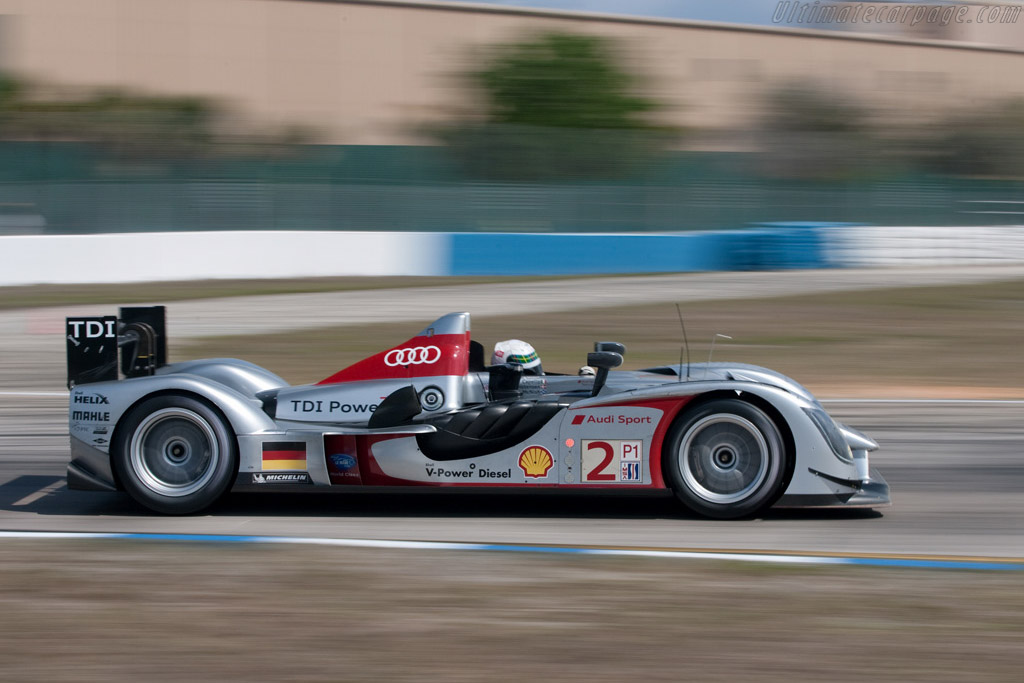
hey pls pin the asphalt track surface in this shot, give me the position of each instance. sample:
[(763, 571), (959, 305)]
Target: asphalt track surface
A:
[(956, 468)]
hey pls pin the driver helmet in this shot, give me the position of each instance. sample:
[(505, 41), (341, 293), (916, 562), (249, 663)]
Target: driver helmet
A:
[(517, 352)]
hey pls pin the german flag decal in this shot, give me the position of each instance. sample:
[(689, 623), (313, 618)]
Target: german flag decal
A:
[(284, 455)]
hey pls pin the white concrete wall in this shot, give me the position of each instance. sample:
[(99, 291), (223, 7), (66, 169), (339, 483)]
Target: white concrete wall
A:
[(150, 257), (876, 245)]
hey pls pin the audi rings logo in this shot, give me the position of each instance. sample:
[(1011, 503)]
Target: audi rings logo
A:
[(417, 355)]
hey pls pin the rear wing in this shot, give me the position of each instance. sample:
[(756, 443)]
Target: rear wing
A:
[(137, 334)]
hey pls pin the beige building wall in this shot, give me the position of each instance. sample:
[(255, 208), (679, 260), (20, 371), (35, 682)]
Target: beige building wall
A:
[(377, 72)]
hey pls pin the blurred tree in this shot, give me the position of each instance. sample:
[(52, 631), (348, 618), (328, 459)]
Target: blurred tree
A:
[(126, 126), (808, 109), (810, 133), (984, 142), (561, 80), (555, 106)]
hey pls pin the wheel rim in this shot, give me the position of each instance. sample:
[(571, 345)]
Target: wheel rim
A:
[(724, 458), (174, 452)]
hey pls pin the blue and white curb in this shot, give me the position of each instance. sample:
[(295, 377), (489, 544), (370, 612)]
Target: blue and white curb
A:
[(913, 562)]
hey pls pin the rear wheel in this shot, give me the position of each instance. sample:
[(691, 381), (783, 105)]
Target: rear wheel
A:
[(175, 454), (726, 459)]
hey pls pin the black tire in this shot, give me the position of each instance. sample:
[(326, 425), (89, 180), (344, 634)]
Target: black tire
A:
[(175, 455), (725, 459)]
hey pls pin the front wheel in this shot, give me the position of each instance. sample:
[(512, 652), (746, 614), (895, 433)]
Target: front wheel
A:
[(726, 459), (175, 454)]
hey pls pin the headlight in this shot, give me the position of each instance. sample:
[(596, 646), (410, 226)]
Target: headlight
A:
[(828, 428)]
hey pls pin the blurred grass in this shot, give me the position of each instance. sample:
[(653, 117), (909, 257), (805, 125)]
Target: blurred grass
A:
[(144, 292), (929, 338), (123, 611)]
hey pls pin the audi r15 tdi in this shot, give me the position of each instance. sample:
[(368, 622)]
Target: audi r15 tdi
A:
[(730, 440)]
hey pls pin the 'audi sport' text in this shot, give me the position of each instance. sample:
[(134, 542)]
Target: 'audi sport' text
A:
[(613, 419)]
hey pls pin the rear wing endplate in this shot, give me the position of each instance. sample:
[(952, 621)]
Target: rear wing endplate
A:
[(138, 334)]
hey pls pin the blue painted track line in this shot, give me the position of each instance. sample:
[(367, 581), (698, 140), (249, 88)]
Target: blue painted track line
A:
[(912, 562)]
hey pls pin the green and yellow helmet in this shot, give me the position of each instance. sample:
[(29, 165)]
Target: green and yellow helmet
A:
[(517, 352)]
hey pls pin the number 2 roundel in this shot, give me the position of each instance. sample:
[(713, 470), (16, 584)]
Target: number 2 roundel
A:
[(603, 470), (616, 461)]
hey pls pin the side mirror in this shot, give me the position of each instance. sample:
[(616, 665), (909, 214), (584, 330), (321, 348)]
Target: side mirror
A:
[(610, 346), (603, 361)]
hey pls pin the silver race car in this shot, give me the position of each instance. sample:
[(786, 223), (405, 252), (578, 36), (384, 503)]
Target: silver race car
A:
[(730, 440)]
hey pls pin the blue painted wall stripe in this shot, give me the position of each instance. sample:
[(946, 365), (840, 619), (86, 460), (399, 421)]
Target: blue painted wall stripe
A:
[(776, 247)]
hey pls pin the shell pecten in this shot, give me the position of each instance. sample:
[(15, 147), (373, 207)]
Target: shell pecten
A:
[(535, 461)]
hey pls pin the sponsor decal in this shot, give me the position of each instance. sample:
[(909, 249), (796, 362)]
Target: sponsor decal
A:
[(535, 461), (93, 329), (612, 419), (284, 455), (101, 430), (99, 436), (342, 459), (530, 387), (473, 472), (94, 399), (90, 416), (331, 407), (413, 355), (612, 461), (91, 351), (281, 478), (343, 462)]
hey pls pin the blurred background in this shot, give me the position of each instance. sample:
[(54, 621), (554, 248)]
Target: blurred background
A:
[(534, 116), (682, 135)]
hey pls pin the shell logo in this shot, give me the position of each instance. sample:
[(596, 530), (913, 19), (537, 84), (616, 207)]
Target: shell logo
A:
[(535, 461)]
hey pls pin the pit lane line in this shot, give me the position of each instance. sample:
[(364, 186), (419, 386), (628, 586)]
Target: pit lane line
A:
[(751, 556)]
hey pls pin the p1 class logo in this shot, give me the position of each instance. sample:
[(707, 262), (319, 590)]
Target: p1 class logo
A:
[(415, 355)]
